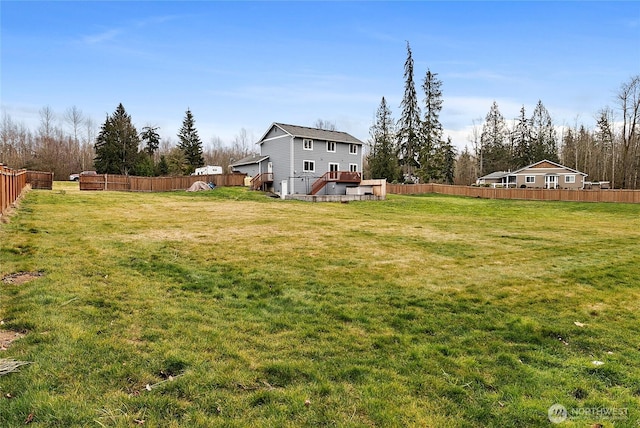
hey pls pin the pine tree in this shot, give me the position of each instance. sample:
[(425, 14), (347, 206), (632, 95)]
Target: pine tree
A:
[(447, 172), (117, 144), (162, 168), (543, 135), (496, 153), (604, 139), (569, 149), (150, 139), (383, 159), (432, 148), (190, 144), (409, 122), (521, 136)]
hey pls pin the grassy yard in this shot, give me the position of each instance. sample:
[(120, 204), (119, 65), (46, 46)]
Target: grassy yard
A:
[(228, 308)]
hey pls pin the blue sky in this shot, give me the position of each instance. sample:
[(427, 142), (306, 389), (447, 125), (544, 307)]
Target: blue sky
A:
[(248, 64)]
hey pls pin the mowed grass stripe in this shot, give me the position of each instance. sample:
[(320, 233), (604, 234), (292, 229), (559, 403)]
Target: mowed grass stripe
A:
[(236, 308)]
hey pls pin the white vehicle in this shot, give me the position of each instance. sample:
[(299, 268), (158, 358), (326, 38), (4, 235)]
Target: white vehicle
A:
[(208, 170)]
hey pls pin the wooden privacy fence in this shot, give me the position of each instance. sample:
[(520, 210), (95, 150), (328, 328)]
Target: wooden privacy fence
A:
[(40, 180), (627, 196), (12, 182), (130, 183)]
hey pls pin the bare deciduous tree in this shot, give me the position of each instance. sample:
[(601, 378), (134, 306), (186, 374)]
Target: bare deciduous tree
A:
[(325, 124), (628, 98)]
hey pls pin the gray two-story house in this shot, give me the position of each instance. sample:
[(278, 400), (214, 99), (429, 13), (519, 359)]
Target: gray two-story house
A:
[(301, 160)]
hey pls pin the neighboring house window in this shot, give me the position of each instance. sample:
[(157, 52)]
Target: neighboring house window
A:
[(331, 146), (307, 144), (530, 179), (308, 166), (353, 167), (569, 178), (353, 149)]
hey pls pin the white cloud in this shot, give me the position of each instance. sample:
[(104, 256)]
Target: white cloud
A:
[(104, 36)]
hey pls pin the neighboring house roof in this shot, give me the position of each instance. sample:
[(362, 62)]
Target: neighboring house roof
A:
[(314, 134), (494, 175), (540, 164), (552, 164), (249, 160)]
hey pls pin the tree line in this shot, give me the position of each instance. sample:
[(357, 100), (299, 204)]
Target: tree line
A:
[(70, 143), (413, 149)]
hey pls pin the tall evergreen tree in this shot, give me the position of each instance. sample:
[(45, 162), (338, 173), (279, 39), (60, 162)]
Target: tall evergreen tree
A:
[(447, 172), (150, 139), (521, 136), (409, 122), (544, 142), (431, 155), (117, 144), (569, 149), (604, 138), (496, 153), (190, 143), (383, 159)]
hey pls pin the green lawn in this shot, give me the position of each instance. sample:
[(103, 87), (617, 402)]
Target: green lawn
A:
[(228, 308)]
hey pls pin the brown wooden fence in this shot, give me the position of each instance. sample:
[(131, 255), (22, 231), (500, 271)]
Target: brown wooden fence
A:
[(627, 196), (131, 183), (12, 182), (40, 180)]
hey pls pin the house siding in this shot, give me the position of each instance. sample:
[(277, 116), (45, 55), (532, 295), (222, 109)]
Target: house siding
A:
[(322, 158), (251, 169), (276, 146), (540, 173)]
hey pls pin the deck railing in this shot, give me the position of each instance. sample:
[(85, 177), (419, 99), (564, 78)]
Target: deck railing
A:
[(335, 177), (260, 179)]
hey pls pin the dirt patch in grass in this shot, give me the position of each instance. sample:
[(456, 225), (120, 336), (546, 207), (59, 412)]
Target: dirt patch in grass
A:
[(19, 278), (7, 337)]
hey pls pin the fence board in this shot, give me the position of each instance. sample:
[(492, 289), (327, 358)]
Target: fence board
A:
[(12, 183), (40, 180), (609, 195), (155, 184)]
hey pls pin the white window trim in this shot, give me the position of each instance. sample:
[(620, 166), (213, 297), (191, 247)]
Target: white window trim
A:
[(306, 141), (527, 177), (312, 165), (569, 178), (353, 149), (331, 143), (334, 163), (353, 167)]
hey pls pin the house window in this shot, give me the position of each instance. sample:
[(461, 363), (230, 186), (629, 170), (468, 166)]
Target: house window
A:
[(307, 144), (333, 170), (569, 178), (308, 166), (353, 167), (331, 146), (353, 149), (530, 179)]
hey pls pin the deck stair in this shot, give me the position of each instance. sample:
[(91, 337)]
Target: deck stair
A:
[(335, 177)]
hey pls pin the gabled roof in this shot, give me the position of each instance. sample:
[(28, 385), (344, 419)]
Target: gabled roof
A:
[(495, 175), (557, 165), (249, 160), (314, 134)]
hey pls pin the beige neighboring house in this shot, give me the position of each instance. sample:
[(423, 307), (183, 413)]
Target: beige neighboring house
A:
[(544, 174)]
